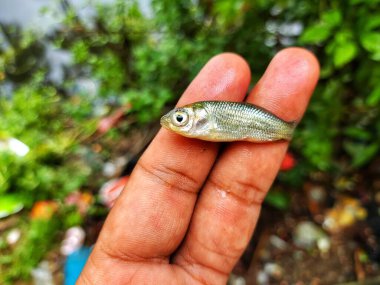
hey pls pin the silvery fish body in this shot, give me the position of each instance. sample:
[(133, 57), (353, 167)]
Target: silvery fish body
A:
[(224, 121)]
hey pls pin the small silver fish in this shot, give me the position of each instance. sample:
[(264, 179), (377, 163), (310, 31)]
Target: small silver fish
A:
[(223, 121)]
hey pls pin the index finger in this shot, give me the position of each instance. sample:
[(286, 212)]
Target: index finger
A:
[(151, 216)]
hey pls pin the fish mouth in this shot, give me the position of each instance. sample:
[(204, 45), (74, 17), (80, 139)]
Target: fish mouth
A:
[(164, 121)]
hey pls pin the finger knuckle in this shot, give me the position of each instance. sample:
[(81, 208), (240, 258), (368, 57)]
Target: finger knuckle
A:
[(171, 177), (244, 190)]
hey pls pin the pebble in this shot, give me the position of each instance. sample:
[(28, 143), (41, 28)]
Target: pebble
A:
[(278, 242), (306, 235), (262, 278), (73, 240), (274, 270), (13, 236), (42, 275)]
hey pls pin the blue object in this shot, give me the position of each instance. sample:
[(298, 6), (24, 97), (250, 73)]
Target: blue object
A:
[(74, 264)]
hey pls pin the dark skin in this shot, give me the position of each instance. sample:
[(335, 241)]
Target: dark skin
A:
[(189, 210)]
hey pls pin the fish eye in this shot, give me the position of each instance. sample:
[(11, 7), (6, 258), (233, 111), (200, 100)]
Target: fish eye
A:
[(180, 118)]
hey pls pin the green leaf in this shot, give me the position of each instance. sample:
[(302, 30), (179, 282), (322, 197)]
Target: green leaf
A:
[(228, 13), (363, 2), (355, 2), (277, 199), (371, 42), (357, 133), (321, 31), (326, 70), (332, 18), (10, 204), (373, 98), (361, 153), (345, 53), (371, 23), (315, 34)]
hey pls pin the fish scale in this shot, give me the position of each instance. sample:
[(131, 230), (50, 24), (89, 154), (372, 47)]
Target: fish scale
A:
[(243, 121), (228, 121)]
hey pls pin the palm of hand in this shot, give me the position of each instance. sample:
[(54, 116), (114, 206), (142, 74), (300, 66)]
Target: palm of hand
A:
[(188, 210)]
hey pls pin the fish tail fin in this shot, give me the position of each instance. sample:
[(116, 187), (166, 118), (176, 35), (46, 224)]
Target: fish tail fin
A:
[(288, 130)]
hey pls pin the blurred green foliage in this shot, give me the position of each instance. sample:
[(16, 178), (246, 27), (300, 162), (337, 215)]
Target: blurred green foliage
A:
[(147, 62), (35, 115), (39, 235)]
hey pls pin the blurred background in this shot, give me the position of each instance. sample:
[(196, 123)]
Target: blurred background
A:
[(82, 87)]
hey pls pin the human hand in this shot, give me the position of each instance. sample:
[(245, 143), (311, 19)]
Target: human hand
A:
[(188, 210)]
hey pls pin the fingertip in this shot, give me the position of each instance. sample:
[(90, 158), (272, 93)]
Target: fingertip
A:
[(288, 83), (225, 76), (301, 58), (236, 61)]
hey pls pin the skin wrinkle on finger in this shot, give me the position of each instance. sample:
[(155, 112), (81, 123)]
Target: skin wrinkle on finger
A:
[(221, 252), (261, 163), (221, 210), (151, 217), (284, 89), (249, 193)]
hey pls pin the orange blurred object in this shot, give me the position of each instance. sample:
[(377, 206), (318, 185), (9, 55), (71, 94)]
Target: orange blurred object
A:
[(345, 213), (81, 200), (43, 210)]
